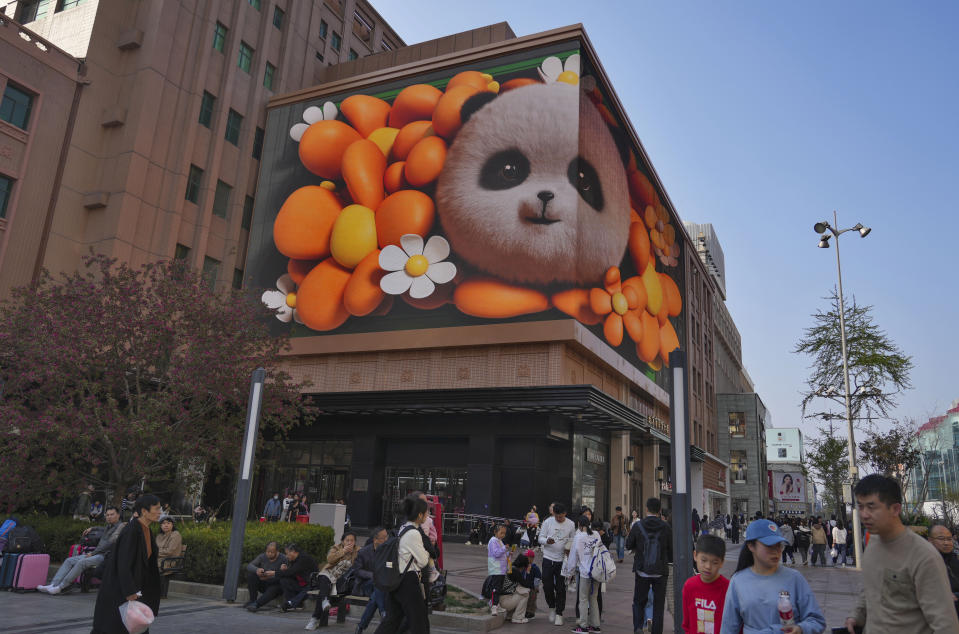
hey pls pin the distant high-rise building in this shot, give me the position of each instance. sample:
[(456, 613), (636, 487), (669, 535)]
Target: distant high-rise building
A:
[(710, 252)]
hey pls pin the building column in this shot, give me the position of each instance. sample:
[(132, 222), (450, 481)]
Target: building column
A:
[(618, 480), (650, 484), (364, 499), (483, 477)]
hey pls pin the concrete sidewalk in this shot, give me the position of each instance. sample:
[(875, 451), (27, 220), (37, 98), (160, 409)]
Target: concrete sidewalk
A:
[(72, 613)]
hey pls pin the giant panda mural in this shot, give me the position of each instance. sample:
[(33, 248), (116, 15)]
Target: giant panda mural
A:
[(501, 200)]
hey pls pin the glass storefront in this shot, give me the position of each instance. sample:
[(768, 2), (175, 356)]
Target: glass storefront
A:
[(449, 484), (320, 470), (591, 474)]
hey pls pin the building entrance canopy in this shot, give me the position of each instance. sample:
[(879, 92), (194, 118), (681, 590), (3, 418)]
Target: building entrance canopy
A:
[(581, 404)]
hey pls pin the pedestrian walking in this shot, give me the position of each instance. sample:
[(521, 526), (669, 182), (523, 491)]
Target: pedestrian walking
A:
[(556, 538), (803, 540), (941, 538), (652, 544), (363, 568), (579, 562), (818, 543), (704, 595), (735, 529), (760, 578), (905, 584), (786, 532), (273, 508), (618, 530), (839, 543), (130, 572), (407, 600)]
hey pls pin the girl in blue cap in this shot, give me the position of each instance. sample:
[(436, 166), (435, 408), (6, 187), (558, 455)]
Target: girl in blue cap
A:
[(752, 600)]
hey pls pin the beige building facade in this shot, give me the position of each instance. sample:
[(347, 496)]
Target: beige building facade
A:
[(163, 157)]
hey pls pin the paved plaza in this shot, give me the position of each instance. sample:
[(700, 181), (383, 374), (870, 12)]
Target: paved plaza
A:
[(33, 613)]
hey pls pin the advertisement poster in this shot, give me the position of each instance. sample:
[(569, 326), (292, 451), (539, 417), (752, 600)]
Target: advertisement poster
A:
[(506, 190), (784, 445), (789, 486)]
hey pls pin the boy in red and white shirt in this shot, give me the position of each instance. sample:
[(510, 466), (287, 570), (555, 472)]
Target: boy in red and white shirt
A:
[(705, 594)]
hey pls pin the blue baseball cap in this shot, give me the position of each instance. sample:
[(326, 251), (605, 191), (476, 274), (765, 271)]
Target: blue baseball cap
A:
[(764, 531)]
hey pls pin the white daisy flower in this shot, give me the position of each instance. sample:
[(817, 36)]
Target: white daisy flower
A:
[(414, 268), (552, 70), (311, 115), (283, 300)]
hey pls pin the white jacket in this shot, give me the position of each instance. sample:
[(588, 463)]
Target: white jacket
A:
[(581, 554), (411, 547), (562, 535), (838, 536)]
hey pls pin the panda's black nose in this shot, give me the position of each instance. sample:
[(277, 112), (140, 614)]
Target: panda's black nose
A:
[(545, 196)]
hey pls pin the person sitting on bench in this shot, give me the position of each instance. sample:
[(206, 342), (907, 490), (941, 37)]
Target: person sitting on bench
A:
[(261, 577), (74, 566), (338, 562)]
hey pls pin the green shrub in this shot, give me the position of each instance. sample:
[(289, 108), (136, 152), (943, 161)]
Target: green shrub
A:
[(208, 545), (57, 533)]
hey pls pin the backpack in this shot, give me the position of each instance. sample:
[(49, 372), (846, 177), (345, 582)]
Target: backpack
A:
[(653, 557), (94, 536), (23, 539), (386, 564), (601, 565)]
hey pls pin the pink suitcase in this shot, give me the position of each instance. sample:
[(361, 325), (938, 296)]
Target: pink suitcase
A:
[(31, 572)]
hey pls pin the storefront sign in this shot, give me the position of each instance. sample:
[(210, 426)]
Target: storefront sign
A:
[(595, 457)]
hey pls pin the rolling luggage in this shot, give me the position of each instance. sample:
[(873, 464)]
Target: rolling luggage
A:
[(8, 568), (31, 571)]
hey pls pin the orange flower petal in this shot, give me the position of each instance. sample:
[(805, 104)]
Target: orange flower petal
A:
[(600, 301), (613, 329)]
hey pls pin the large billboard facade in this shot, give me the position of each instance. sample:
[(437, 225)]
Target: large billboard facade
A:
[(789, 486), (784, 445), (505, 190)]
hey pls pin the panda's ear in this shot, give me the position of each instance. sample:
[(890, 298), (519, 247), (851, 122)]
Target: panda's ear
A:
[(474, 103)]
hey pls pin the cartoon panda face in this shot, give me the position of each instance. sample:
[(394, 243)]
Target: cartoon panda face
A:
[(533, 190)]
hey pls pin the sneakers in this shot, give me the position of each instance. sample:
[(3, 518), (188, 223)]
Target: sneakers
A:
[(495, 609), (580, 630), (649, 626), (53, 589), (313, 624), (252, 606), (287, 605), (594, 629), (530, 615), (520, 621), (558, 620), (552, 615)]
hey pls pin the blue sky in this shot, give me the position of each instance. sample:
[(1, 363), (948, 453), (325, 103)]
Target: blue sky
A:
[(763, 117)]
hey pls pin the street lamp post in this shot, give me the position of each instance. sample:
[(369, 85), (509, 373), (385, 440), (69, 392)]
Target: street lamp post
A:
[(822, 228)]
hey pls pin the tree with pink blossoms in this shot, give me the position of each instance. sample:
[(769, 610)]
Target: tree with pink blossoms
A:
[(114, 374)]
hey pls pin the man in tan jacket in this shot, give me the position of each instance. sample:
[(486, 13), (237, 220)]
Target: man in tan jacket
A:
[(818, 543), (905, 585)]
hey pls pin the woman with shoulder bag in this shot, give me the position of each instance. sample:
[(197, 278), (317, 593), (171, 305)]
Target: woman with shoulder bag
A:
[(339, 561)]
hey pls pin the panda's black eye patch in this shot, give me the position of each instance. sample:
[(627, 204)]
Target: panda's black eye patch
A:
[(504, 170), (584, 178)]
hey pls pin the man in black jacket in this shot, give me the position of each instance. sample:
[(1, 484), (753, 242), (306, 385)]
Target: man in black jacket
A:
[(941, 538), (131, 572), (294, 576), (363, 571), (651, 541)]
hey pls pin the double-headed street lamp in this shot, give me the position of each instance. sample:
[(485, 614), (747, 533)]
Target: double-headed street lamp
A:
[(827, 231)]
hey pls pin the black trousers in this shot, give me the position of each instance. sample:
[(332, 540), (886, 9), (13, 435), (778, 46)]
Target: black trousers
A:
[(267, 586), (324, 587), (554, 585), (406, 601), (640, 596)]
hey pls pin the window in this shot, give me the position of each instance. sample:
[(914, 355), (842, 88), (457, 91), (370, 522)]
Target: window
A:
[(737, 424), (245, 60), (247, 213), (221, 199), (68, 4), (386, 46), (278, 17), (211, 270), (255, 4), (233, 122), (336, 41), (268, 74), (16, 105), (237, 279), (258, 143), (323, 28), (193, 184), (6, 189), (737, 465), (219, 37), (33, 10), (206, 109), (182, 252), (319, 56), (362, 27), (352, 55)]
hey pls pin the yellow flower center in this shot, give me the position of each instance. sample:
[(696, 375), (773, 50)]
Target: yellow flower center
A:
[(291, 300), (417, 265), (620, 304), (568, 77)]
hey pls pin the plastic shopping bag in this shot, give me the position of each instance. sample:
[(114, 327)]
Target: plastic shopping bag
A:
[(833, 553), (136, 616)]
